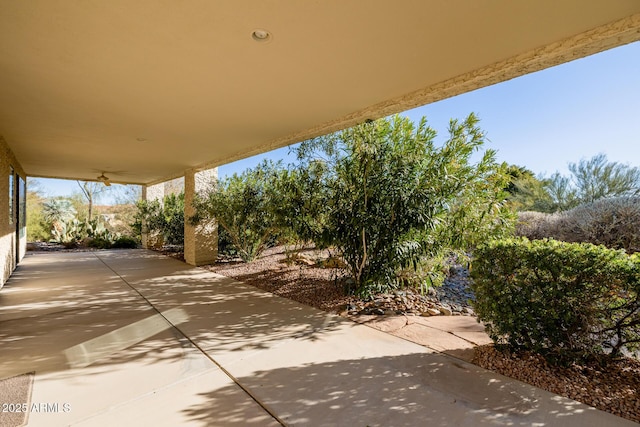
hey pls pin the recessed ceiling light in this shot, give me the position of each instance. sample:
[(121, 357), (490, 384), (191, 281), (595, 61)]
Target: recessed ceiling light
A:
[(261, 35)]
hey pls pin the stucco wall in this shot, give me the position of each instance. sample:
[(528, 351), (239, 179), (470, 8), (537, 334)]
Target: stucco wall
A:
[(8, 228)]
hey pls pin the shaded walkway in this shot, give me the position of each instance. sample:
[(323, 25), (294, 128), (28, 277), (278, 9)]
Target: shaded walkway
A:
[(135, 338)]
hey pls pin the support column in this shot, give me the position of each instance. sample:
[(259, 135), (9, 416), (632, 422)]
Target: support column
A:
[(200, 241), (151, 193)]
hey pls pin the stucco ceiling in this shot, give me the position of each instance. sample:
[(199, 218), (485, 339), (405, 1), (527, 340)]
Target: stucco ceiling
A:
[(143, 90)]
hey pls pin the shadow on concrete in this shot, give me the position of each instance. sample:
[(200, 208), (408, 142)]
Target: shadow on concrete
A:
[(406, 390), (74, 299)]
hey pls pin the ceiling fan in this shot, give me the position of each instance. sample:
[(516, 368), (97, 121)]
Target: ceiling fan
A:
[(103, 179)]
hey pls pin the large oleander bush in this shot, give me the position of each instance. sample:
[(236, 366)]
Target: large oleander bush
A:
[(382, 194)]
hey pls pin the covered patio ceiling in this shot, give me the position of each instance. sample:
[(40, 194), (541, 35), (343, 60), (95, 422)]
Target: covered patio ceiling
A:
[(144, 90)]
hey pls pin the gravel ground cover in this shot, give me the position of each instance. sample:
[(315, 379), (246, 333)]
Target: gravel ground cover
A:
[(614, 388)]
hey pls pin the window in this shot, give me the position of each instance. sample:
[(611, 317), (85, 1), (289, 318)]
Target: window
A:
[(22, 206), (11, 191)]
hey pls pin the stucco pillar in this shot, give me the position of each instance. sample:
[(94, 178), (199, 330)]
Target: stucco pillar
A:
[(200, 241), (150, 193)]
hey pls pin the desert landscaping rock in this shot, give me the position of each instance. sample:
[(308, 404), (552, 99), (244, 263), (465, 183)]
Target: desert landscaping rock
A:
[(613, 388), (445, 311)]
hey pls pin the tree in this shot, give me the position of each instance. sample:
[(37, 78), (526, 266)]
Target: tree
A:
[(526, 191), (37, 227), (92, 191), (298, 200), (590, 180), (561, 192), (598, 178), (58, 211), (389, 190)]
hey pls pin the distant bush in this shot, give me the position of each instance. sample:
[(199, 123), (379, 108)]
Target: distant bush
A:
[(566, 301), (98, 243), (613, 222), (165, 219), (539, 225), (125, 242)]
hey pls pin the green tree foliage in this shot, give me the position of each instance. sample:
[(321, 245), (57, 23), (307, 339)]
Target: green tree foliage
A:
[(242, 206), (166, 218), (174, 218), (516, 174), (526, 191), (297, 199), (561, 192), (589, 180), (597, 178), (392, 197), (381, 193), (38, 229)]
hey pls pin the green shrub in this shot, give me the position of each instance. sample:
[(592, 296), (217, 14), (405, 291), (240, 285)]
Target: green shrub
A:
[(225, 245), (241, 205), (564, 300), (125, 242), (98, 243), (166, 218), (299, 202), (173, 211), (69, 233)]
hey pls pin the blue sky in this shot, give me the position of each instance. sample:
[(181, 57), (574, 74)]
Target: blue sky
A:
[(541, 121)]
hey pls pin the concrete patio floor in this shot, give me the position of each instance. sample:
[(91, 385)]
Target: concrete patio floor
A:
[(131, 337)]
